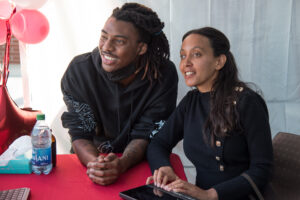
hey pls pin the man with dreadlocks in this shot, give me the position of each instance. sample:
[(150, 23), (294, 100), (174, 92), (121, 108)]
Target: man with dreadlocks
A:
[(119, 95)]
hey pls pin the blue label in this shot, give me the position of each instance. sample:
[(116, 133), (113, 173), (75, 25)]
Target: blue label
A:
[(41, 156)]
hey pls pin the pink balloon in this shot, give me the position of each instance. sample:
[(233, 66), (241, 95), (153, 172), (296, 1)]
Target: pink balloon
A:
[(29, 26), (6, 9), (3, 31)]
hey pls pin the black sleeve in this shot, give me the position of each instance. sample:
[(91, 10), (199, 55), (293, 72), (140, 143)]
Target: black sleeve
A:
[(255, 121), (160, 104), (162, 143), (79, 118)]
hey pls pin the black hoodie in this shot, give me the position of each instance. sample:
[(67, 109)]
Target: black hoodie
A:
[(103, 110)]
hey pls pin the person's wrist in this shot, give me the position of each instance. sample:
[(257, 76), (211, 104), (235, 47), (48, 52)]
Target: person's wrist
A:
[(123, 164), (90, 160), (212, 194)]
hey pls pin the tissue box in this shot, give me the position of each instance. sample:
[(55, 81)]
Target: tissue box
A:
[(19, 165)]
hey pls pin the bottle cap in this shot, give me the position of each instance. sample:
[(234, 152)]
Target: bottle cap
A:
[(40, 117)]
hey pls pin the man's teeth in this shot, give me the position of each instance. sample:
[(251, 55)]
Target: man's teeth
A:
[(109, 58), (189, 73)]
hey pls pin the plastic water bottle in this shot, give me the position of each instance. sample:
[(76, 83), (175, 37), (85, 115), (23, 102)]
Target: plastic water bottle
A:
[(41, 146)]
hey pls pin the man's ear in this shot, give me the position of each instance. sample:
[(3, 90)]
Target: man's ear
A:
[(221, 62), (142, 49)]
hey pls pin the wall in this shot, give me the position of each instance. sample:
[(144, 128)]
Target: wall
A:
[(14, 51)]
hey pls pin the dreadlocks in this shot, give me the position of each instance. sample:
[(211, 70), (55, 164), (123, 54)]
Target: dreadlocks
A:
[(150, 28)]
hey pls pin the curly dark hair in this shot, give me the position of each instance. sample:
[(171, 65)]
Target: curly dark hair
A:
[(223, 116), (149, 27)]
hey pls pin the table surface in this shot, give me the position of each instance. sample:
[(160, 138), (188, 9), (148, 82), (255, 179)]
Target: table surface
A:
[(68, 180)]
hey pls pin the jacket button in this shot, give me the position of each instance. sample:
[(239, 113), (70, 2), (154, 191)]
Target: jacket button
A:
[(221, 168), (218, 158), (218, 143)]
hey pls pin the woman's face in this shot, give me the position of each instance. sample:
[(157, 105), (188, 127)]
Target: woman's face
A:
[(198, 64)]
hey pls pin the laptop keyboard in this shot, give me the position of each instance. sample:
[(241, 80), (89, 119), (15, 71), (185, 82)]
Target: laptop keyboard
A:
[(15, 194)]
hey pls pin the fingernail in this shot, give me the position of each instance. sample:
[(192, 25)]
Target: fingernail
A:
[(158, 184)]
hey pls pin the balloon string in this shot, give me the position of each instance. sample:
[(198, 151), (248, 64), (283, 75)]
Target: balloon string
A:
[(6, 54)]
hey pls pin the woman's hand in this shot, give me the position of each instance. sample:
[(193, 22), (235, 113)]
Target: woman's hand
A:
[(162, 176), (192, 190)]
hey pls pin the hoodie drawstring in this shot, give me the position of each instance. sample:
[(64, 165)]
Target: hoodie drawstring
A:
[(118, 109)]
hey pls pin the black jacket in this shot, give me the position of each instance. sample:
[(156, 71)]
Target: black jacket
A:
[(103, 109)]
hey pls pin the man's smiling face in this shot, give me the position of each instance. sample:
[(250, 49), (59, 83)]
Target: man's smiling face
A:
[(119, 44)]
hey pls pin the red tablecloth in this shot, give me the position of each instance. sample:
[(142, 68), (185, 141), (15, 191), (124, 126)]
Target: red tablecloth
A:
[(68, 180)]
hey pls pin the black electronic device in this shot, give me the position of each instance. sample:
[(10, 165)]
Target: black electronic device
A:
[(151, 192)]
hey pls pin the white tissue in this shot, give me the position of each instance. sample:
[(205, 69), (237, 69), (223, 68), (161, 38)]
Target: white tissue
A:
[(19, 147)]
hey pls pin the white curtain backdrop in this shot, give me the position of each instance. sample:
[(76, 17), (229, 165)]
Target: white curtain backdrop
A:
[(264, 36)]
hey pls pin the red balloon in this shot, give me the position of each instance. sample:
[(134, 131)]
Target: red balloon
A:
[(29, 26), (3, 31)]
